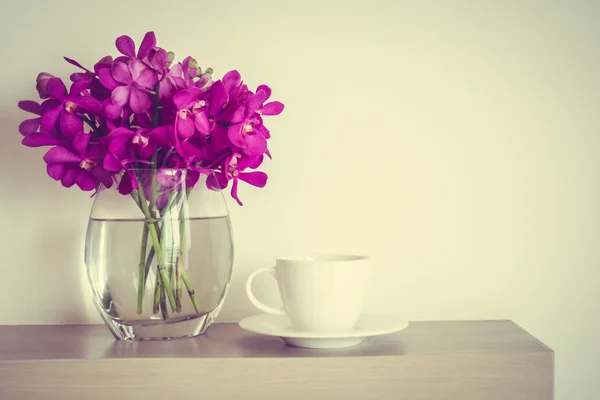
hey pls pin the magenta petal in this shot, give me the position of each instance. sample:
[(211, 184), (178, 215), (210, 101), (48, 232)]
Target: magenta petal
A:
[(160, 60), (111, 111), (120, 96), (255, 102), (29, 126), (106, 78), (255, 162), (121, 73), (219, 98), (126, 45), (272, 108), (120, 132), (70, 175), (139, 101), (30, 106), (186, 98), (111, 163), (49, 118), (184, 127), (80, 142), (85, 180), (56, 171), (235, 135), (239, 115), (231, 80), (60, 155), (38, 139), (256, 178), (103, 176), (161, 135), (216, 182), (126, 184), (79, 86), (75, 63), (148, 42), (88, 104), (202, 124), (263, 129), (234, 193), (56, 88), (118, 146), (70, 124), (254, 144), (142, 75), (265, 89)]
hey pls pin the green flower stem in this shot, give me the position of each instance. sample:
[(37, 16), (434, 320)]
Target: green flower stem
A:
[(182, 273), (160, 254), (157, 290), (142, 270), (190, 289)]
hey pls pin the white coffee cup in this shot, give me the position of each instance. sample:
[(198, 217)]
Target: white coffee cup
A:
[(320, 292)]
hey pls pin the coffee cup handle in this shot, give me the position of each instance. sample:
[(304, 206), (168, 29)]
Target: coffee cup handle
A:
[(254, 300)]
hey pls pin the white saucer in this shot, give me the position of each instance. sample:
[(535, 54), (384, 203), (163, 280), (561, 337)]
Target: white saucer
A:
[(280, 326)]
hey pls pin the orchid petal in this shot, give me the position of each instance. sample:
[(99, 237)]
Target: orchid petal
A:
[(79, 86), (80, 142), (121, 73), (88, 104), (126, 45), (106, 78), (255, 144), (202, 124), (56, 88), (272, 108), (75, 63), (255, 102), (120, 132), (161, 135), (186, 98), (70, 124), (235, 135), (29, 126), (265, 89), (49, 118), (103, 176), (120, 96), (160, 60), (239, 115), (59, 154), (139, 101), (147, 78), (263, 129), (234, 193), (231, 80), (111, 163), (56, 171), (111, 111), (126, 186), (85, 180), (70, 176), (255, 178), (219, 99), (184, 127), (38, 139), (30, 106), (148, 42)]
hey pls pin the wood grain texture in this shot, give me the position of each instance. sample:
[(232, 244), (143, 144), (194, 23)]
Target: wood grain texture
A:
[(429, 360)]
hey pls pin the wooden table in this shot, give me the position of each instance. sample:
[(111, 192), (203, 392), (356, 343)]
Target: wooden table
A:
[(460, 360)]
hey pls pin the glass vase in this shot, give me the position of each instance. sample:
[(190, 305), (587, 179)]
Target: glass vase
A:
[(159, 259)]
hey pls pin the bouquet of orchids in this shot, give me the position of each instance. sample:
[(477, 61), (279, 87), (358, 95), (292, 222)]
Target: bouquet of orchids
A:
[(142, 118)]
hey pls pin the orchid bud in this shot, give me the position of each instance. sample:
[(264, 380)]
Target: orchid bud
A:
[(170, 57), (42, 81), (209, 71), (193, 64), (204, 82)]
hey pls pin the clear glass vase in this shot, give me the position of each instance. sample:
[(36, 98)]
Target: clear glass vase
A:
[(159, 260)]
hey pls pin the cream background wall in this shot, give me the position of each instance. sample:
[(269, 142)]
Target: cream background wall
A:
[(455, 142)]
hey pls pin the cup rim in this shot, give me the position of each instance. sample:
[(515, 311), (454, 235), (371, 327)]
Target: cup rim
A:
[(326, 258)]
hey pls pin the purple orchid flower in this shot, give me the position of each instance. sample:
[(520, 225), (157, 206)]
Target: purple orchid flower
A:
[(65, 107), (131, 83), (233, 169), (78, 164)]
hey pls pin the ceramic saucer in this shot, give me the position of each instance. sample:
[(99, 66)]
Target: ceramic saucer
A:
[(280, 326)]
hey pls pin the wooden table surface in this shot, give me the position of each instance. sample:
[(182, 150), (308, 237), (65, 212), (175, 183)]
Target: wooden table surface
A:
[(428, 360)]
